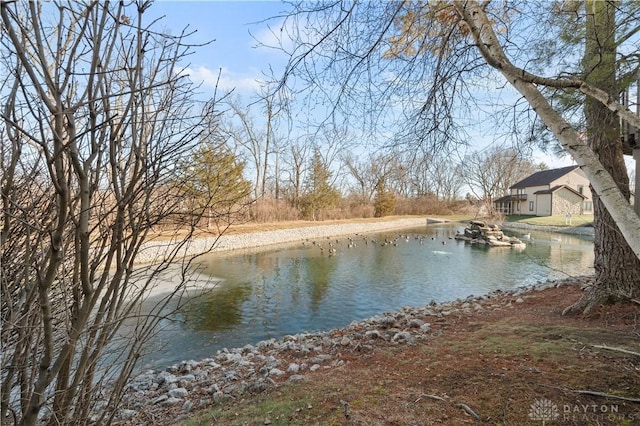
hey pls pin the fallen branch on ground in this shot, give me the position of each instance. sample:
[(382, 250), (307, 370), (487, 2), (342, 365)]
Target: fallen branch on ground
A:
[(616, 349), (347, 409), (594, 393), (468, 410), (426, 395), (462, 405)]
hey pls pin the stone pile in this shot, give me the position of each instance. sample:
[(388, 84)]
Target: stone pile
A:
[(479, 232), (191, 385)]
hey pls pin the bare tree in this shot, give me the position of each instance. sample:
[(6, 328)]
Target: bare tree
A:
[(249, 137), (447, 183), (490, 173), (96, 114), (430, 59), (369, 173), (255, 133), (296, 162)]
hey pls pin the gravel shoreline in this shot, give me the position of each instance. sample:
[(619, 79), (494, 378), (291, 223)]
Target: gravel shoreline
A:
[(151, 251)]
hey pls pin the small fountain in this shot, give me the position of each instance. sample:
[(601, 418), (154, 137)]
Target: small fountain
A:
[(479, 232)]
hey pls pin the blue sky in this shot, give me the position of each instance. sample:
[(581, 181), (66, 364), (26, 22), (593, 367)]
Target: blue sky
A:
[(237, 26)]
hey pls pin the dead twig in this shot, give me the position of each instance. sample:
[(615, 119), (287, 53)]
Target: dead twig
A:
[(462, 405), (347, 409), (468, 410), (605, 395), (427, 395), (594, 393), (617, 349)]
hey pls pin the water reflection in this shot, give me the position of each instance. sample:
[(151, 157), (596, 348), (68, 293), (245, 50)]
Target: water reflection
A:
[(299, 288), (217, 310)]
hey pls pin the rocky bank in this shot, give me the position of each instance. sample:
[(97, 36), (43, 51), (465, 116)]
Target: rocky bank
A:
[(169, 395)]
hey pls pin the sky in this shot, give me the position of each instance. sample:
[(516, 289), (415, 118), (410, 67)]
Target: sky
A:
[(236, 28)]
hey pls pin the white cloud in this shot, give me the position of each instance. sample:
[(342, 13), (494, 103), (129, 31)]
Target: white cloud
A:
[(224, 79), (274, 35)]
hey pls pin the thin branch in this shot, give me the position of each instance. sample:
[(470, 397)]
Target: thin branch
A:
[(617, 349), (593, 393)]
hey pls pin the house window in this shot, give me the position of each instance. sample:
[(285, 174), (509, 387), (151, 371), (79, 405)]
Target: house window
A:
[(530, 206), (580, 189), (588, 206)]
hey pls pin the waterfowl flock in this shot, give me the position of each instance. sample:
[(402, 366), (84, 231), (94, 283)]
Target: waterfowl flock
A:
[(333, 245)]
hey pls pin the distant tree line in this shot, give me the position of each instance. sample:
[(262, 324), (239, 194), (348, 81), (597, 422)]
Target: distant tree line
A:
[(327, 176)]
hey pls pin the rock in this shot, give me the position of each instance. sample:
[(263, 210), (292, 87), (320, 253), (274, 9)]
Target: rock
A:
[(171, 401), (165, 378), (127, 414), (320, 359), (425, 327), (187, 378), (160, 399), (257, 387), (220, 397), (212, 364), (373, 334), (271, 362), (416, 323), (403, 337), (276, 372), (187, 406), (293, 368), (254, 368), (178, 393)]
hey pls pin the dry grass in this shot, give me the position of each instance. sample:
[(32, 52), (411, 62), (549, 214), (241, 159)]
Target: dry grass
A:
[(558, 220)]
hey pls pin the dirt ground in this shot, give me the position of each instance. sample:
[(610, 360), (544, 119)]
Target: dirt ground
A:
[(512, 363)]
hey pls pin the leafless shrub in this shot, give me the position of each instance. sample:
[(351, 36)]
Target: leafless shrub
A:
[(96, 113)]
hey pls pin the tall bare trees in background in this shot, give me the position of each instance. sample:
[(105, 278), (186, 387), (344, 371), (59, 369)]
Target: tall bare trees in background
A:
[(490, 173), (96, 115)]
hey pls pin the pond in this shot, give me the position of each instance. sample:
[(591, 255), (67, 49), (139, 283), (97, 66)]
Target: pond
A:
[(302, 287)]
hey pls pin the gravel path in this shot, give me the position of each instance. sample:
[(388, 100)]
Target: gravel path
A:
[(151, 251)]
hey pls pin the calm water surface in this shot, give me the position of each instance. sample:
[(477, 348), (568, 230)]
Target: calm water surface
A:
[(299, 288)]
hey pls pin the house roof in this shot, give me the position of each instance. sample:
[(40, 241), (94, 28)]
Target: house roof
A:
[(544, 177), (558, 187)]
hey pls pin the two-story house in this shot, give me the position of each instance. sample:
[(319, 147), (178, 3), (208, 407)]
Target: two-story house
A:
[(549, 192)]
